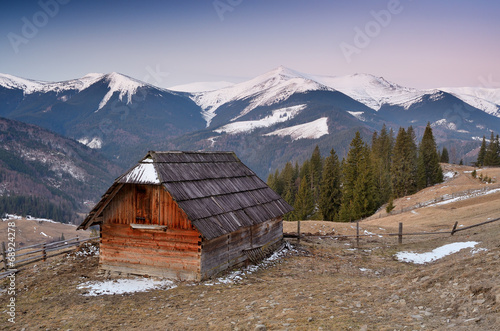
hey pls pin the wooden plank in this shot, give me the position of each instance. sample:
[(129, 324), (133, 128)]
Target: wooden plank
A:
[(186, 275), (153, 245), (108, 200), (148, 256), (126, 230), (174, 264), (148, 227)]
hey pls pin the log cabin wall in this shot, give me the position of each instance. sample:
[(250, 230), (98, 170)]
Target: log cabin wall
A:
[(229, 250), (173, 252)]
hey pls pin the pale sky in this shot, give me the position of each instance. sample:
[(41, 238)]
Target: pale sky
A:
[(419, 43)]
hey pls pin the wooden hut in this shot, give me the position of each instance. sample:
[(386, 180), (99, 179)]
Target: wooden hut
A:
[(186, 215)]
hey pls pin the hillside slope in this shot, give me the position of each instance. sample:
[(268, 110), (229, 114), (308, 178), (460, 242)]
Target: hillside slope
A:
[(38, 163), (323, 283)]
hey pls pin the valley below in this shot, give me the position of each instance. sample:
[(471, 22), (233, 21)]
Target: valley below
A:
[(323, 282)]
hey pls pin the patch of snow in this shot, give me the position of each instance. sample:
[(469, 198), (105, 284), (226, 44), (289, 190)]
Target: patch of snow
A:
[(311, 130), (446, 124), (438, 253), (121, 286), (277, 116), (477, 250), (126, 87), (12, 217), (358, 115), (449, 175), (212, 141), (144, 173), (368, 233), (95, 143), (465, 197)]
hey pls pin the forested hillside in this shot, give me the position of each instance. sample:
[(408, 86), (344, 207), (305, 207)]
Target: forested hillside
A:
[(46, 175), (369, 177)]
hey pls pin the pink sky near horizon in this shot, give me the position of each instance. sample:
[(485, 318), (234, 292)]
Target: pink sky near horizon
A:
[(422, 44)]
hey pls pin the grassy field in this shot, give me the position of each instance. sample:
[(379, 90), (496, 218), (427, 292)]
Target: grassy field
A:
[(321, 284)]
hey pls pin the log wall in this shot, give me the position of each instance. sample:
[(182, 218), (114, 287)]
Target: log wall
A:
[(228, 250), (171, 253)]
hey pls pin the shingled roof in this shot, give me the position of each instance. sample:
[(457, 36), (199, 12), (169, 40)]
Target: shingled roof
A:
[(218, 193)]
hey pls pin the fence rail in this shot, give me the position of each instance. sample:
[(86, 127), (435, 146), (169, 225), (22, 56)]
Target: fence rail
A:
[(400, 233), (10, 262)]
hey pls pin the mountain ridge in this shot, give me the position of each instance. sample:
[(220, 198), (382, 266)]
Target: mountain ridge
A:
[(124, 117)]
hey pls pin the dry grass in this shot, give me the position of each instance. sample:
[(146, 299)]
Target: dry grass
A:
[(326, 284), (30, 232)]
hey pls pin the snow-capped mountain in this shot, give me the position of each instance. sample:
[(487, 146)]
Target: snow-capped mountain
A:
[(268, 120), (370, 90), (487, 99), (117, 83), (111, 112), (270, 88)]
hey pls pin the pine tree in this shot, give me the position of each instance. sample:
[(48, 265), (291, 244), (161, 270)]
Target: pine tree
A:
[(404, 164), (429, 170), (481, 154), (287, 177), (358, 198), (492, 155), (330, 193), (304, 202), (381, 159), (316, 164), (444, 157)]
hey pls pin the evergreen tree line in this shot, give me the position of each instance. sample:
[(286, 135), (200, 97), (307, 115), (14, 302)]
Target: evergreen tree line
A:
[(37, 207), (369, 177), (489, 155)]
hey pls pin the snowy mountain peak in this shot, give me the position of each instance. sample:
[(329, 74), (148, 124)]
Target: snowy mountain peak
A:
[(286, 72), (269, 88), (27, 85), (371, 90), (124, 85), (487, 99)]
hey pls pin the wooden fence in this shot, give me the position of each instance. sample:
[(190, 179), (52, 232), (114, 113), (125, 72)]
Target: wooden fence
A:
[(23, 256), (399, 234)]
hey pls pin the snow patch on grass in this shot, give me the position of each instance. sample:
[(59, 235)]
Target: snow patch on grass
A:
[(122, 286), (436, 254)]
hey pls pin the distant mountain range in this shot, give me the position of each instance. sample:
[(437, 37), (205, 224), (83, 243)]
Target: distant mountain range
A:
[(273, 118)]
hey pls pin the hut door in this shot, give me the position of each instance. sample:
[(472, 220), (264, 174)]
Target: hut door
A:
[(143, 205)]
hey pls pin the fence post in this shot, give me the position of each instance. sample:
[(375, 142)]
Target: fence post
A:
[(357, 234), (454, 228), (4, 256), (44, 252), (400, 234), (298, 232)]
